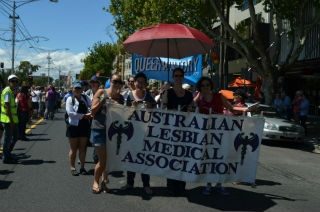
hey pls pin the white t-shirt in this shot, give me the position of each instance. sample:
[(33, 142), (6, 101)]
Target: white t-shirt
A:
[(35, 95)]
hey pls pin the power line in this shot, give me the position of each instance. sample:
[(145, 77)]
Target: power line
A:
[(7, 4)]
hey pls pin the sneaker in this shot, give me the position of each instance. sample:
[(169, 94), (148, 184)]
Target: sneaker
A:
[(74, 172), (147, 190), (126, 187), (83, 171), (207, 191)]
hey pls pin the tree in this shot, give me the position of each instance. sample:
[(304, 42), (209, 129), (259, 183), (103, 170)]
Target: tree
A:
[(42, 80), (131, 15), (269, 65), (26, 69), (100, 59)]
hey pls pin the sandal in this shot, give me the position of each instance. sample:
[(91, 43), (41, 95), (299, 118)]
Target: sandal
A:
[(74, 172), (96, 190)]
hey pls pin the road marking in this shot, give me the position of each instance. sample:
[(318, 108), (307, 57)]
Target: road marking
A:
[(34, 125)]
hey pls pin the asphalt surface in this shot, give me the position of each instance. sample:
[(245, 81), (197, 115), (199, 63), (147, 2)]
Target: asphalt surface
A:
[(288, 179)]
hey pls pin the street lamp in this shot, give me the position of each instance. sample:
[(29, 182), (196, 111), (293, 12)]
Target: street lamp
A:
[(14, 17), (49, 57)]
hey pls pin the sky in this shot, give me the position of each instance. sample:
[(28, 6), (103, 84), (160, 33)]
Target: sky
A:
[(65, 30)]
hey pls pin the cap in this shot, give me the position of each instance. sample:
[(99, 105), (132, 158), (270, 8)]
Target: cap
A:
[(94, 79), (77, 85), (12, 76)]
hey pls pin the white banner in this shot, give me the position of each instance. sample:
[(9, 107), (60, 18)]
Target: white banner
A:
[(185, 146)]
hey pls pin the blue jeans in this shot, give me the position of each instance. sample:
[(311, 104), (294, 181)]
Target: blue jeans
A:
[(9, 139)]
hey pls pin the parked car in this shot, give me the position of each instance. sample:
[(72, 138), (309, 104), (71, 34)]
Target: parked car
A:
[(276, 127)]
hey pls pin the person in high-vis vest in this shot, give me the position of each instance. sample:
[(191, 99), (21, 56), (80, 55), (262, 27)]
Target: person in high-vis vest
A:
[(9, 119)]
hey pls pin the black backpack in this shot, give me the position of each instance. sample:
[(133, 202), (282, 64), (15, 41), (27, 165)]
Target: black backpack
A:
[(66, 116)]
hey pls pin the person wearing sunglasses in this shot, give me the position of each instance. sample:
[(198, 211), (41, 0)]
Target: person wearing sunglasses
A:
[(176, 98), (209, 102), (140, 97), (9, 119), (98, 130)]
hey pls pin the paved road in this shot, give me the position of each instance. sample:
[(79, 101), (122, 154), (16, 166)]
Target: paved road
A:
[(288, 179)]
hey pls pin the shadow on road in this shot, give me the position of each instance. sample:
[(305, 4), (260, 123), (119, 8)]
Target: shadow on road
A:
[(303, 146), (35, 134), (35, 162), (39, 139), (4, 184), (260, 182), (237, 200), (117, 174), (6, 172), (18, 149)]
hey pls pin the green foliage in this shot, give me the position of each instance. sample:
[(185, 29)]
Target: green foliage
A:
[(25, 69), (131, 15), (100, 59), (42, 80)]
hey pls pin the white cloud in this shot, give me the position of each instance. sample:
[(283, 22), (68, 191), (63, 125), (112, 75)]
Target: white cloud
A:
[(66, 60), (2, 52)]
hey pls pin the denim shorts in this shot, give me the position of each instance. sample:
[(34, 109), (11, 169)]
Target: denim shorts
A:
[(98, 137)]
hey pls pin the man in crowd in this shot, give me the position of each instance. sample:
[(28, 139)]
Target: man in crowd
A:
[(35, 97), (9, 119)]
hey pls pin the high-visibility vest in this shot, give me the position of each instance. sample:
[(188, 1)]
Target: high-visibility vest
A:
[(4, 118)]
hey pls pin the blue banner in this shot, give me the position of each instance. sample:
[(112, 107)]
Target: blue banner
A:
[(157, 67)]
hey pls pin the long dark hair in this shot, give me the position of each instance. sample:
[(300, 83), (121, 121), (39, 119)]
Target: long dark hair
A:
[(198, 85), (24, 89)]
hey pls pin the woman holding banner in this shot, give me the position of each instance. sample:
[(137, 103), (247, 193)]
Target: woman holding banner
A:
[(211, 103), (98, 130), (140, 97), (177, 98)]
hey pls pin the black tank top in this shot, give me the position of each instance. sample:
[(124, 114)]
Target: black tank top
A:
[(174, 100)]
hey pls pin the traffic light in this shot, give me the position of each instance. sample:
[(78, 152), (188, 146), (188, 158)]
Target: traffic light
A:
[(1, 65)]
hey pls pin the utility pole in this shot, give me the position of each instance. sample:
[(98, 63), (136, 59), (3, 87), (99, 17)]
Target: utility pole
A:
[(59, 77), (13, 17), (49, 62)]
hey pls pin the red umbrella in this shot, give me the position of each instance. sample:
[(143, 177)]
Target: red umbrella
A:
[(168, 40)]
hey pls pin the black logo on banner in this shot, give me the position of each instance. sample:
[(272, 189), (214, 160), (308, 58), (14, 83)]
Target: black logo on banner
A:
[(253, 141), (119, 130)]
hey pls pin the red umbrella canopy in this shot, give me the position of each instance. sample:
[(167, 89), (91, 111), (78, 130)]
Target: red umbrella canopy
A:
[(168, 40)]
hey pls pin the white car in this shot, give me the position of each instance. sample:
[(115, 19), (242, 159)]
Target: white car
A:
[(277, 128)]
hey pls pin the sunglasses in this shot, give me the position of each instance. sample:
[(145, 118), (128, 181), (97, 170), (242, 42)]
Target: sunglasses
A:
[(77, 88), (116, 81), (131, 81), (178, 75), (14, 81)]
